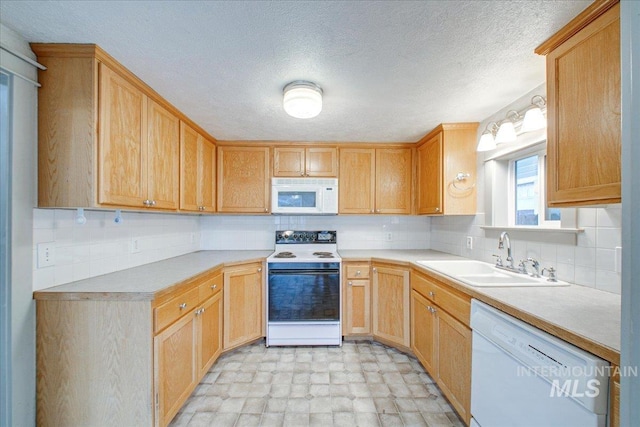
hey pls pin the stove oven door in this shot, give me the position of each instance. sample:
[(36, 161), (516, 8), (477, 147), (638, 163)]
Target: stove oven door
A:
[(304, 295)]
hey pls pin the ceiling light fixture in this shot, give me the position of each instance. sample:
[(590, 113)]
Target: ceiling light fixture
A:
[(302, 99), (530, 119)]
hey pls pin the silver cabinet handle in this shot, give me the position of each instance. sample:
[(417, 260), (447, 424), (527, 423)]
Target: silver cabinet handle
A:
[(147, 202), (259, 269), (266, 210), (182, 306), (377, 210), (371, 210), (350, 283), (358, 273), (375, 270), (153, 203), (214, 286), (432, 294), (437, 209)]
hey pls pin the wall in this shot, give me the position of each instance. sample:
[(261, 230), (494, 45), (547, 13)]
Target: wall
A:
[(354, 232), (101, 246), (590, 262), (23, 198)]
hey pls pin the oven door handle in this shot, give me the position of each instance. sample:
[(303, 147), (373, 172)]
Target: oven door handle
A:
[(303, 272)]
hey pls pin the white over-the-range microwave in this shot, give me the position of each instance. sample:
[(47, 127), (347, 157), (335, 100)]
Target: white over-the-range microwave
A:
[(304, 196)]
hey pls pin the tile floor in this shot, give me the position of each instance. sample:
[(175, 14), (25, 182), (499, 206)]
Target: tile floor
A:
[(362, 383)]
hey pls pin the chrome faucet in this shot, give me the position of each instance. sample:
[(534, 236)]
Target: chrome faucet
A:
[(505, 237)]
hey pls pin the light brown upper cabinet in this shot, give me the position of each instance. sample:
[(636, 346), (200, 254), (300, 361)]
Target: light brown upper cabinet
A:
[(197, 171), (446, 177), (105, 139), (243, 179), (583, 111), (375, 180), (309, 161)]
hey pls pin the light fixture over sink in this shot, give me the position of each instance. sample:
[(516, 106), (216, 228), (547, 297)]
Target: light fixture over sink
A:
[(302, 99)]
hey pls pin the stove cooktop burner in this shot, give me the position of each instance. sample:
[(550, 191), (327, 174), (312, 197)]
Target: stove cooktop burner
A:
[(284, 255), (323, 254)]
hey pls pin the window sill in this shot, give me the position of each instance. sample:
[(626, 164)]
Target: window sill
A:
[(565, 236)]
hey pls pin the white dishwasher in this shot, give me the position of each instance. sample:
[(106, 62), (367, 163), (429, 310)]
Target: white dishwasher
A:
[(524, 377)]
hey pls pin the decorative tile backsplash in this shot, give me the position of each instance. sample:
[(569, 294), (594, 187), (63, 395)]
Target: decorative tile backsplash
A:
[(102, 246)]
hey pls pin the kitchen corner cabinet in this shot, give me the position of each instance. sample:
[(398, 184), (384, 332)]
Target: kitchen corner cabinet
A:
[(305, 161), (448, 150), (105, 139), (197, 171), (584, 128), (391, 305), (243, 304), (243, 179), (375, 180), (441, 338), (356, 306)]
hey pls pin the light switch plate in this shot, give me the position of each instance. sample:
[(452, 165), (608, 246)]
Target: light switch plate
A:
[(46, 254)]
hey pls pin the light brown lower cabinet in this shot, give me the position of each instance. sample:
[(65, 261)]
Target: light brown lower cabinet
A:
[(391, 305), (106, 362), (243, 302), (185, 351), (614, 398), (441, 338), (356, 304)]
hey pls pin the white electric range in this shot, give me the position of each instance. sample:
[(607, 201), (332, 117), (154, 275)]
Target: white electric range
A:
[(303, 289)]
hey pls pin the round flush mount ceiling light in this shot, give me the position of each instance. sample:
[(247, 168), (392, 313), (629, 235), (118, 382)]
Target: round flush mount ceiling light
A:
[(302, 100)]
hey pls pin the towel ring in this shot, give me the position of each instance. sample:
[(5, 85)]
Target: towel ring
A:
[(461, 176)]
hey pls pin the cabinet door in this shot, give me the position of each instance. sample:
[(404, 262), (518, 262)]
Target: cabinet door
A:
[(209, 333), (243, 305), (122, 149), (454, 362), (206, 175), (175, 367), (423, 332), (197, 165), (357, 181), (243, 179), (391, 305), (189, 166), (430, 176), (321, 161), (288, 161), (163, 146), (357, 307), (393, 181), (584, 133)]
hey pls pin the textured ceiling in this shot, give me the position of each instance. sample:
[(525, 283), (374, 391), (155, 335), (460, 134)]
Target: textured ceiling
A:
[(390, 71)]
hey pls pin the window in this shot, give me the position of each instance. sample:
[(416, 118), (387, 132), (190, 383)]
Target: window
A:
[(527, 205)]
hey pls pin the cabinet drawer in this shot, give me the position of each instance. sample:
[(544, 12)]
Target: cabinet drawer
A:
[(453, 303), (357, 271), (423, 286), (173, 309), (210, 287)]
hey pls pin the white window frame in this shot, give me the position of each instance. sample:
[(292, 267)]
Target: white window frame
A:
[(542, 181)]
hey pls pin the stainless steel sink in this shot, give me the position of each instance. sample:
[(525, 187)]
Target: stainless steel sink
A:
[(482, 274)]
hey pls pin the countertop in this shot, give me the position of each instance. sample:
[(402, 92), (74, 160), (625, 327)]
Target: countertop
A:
[(585, 317), (147, 281)]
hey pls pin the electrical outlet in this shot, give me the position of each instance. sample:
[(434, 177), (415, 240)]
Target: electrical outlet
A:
[(388, 236), (135, 245), (46, 255), (618, 260), (469, 242)]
